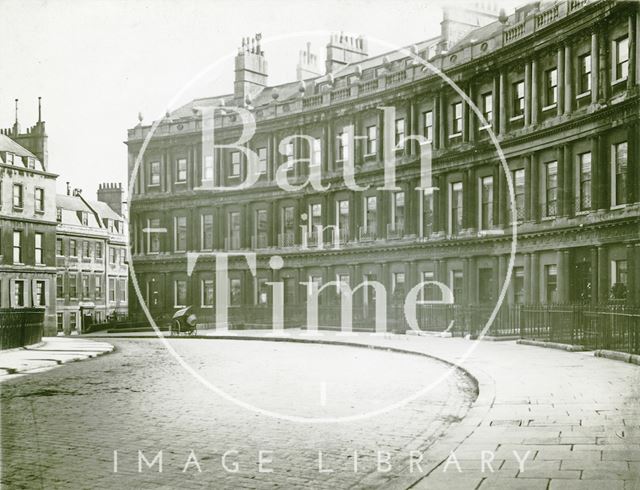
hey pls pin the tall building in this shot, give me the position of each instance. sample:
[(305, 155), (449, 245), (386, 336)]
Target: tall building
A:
[(27, 222), (557, 83), (91, 258)]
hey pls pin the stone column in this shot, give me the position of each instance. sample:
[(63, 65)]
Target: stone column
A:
[(528, 211), (527, 93), (527, 279), (631, 273), (636, 273), (381, 130), (409, 129), (535, 278), (593, 258), (534, 185), (560, 210), (444, 222), (569, 181), (560, 73), (443, 120), (563, 276), (471, 281), (603, 65), (631, 80), (495, 106), (632, 173), (603, 274), (595, 58), (501, 199), (595, 173), (331, 154), (568, 80), (469, 201), (472, 118), (535, 103), (503, 103), (435, 111), (465, 115)]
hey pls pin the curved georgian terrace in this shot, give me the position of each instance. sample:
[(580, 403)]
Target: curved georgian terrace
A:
[(558, 87)]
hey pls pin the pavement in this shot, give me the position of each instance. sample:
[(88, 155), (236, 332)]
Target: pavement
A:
[(542, 418), (50, 353)]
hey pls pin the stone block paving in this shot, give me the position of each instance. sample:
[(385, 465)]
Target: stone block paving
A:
[(543, 419)]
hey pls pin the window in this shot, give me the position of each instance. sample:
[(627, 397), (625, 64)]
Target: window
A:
[(19, 293), (399, 134), (261, 291), (98, 250), (261, 228), (98, 287), (153, 225), (584, 183), (397, 285), (38, 248), (315, 213), (340, 280), (518, 190), (122, 290), (60, 322), (427, 125), (456, 111), (430, 292), (73, 320), (59, 247), (487, 107), (73, 286), (180, 233), (206, 297), (180, 292), (207, 232), (17, 196), (621, 59), (619, 174), (518, 285), (86, 249), (456, 208), (398, 211), (59, 215), (551, 87), (73, 248), (112, 256), (112, 289), (619, 272), (457, 285), (427, 213), (343, 146), (262, 160), (236, 292), (343, 218), (371, 214), (584, 74), (59, 287), (316, 152), (517, 98), (486, 203), (39, 200), (85, 286), (154, 173), (551, 188), (551, 283), (287, 219), (288, 155), (181, 170), (84, 219), (234, 171), (17, 247), (372, 140), (234, 230), (207, 170)]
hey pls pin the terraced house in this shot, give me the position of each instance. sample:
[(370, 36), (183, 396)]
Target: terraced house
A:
[(557, 83), (91, 258)]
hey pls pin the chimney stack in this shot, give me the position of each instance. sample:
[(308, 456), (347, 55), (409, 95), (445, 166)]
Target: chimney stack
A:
[(250, 69), (111, 194), (68, 188), (307, 66), (343, 50)]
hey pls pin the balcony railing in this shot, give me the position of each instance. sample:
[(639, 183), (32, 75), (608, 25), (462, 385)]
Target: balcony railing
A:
[(286, 239), (367, 234), (547, 17), (312, 101), (395, 230), (513, 33)]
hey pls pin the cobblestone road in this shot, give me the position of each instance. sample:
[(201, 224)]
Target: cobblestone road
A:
[(60, 428)]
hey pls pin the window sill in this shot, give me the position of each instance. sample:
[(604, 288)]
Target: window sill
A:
[(583, 95), (583, 213), (485, 128), (549, 107), (153, 185), (234, 176), (516, 118), (548, 218), (455, 135), (18, 209), (39, 211), (618, 81), (206, 307), (618, 206)]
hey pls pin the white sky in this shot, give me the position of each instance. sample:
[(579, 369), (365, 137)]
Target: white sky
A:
[(97, 63)]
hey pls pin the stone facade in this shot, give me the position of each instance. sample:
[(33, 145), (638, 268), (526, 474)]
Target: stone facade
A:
[(556, 83)]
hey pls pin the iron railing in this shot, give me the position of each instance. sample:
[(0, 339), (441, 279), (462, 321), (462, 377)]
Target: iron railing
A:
[(20, 327)]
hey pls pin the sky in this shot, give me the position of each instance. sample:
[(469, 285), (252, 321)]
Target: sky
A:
[(98, 63)]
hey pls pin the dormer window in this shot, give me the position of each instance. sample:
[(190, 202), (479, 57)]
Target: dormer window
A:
[(59, 215), (9, 158), (84, 218), (31, 162)]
